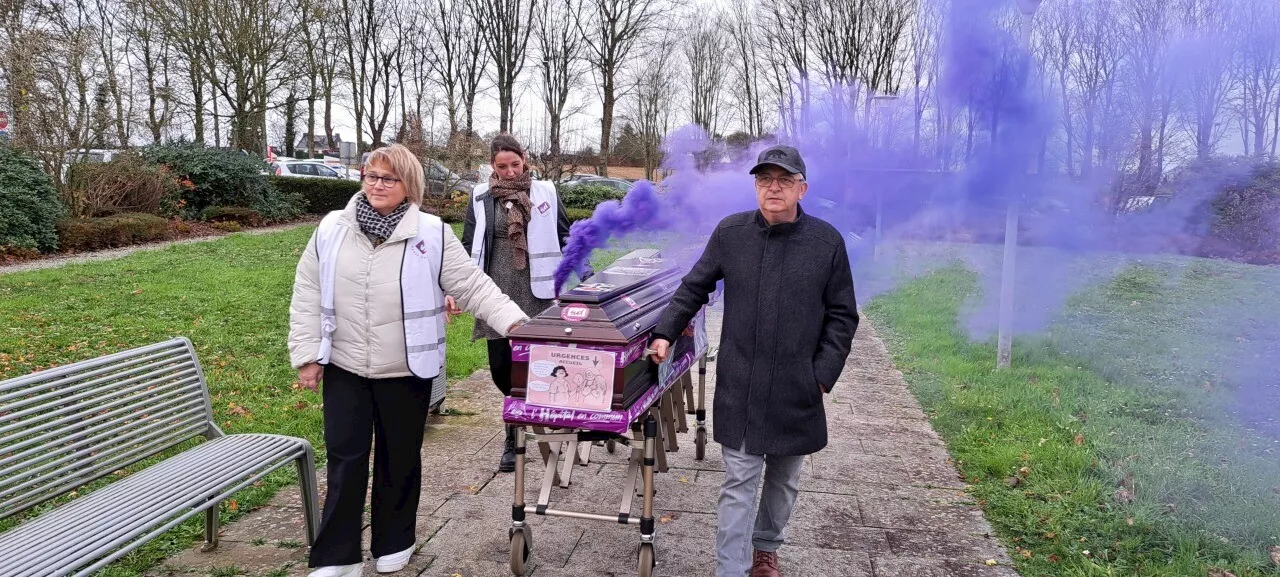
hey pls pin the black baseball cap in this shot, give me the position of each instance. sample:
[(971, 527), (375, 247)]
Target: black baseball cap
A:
[(783, 156)]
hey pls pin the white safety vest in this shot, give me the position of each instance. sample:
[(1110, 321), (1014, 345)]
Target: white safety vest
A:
[(543, 234), (421, 296)]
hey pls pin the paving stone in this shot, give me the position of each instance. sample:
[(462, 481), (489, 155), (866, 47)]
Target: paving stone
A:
[(231, 554), (891, 566), (823, 562), (951, 545), (269, 523)]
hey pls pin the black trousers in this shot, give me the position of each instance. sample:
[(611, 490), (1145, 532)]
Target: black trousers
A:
[(391, 414), (500, 364)]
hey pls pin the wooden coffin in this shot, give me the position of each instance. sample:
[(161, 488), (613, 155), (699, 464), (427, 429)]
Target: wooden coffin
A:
[(586, 351)]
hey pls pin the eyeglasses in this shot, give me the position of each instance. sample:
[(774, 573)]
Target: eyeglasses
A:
[(786, 182), (373, 180)]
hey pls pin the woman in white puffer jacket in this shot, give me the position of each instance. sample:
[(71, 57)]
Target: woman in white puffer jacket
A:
[(368, 318)]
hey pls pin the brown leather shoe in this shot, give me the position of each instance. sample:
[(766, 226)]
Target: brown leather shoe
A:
[(764, 564)]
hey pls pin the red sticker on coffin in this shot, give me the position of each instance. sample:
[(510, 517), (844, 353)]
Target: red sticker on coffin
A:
[(630, 301), (574, 313)]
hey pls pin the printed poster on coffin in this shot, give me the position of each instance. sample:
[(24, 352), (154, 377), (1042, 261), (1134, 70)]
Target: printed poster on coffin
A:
[(568, 378)]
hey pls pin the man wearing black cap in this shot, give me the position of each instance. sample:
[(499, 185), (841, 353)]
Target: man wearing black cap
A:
[(789, 319)]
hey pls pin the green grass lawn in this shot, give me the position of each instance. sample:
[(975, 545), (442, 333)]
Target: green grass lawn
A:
[(1102, 451), (231, 298)]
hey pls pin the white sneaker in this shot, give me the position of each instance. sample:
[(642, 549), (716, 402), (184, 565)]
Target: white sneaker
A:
[(339, 571), (395, 561)]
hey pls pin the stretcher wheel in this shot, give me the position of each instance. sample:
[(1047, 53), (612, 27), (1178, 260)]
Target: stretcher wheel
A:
[(700, 444), (611, 446), (648, 559), (521, 546)]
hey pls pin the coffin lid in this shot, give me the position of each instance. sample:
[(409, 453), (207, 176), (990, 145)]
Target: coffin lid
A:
[(615, 306)]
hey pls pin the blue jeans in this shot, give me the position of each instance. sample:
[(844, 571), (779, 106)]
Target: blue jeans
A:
[(737, 510)]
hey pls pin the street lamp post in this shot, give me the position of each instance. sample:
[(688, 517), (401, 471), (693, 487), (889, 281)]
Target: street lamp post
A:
[(1004, 344)]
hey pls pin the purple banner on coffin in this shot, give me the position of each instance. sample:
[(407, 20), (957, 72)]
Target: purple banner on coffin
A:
[(625, 355), (517, 411)]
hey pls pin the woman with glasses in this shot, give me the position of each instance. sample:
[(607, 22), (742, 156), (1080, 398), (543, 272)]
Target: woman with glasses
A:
[(515, 230), (368, 318)]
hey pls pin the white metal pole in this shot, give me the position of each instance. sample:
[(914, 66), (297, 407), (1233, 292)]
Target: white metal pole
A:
[(1004, 344)]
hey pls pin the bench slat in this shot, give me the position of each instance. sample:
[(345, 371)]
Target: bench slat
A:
[(53, 377), (95, 419), (181, 486), (64, 427)]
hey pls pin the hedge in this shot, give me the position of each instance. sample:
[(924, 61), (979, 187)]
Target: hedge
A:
[(29, 205), (217, 177), (239, 215), (587, 195), (111, 231), (320, 195)]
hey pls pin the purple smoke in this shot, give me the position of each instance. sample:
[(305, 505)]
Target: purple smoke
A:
[(636, 212)]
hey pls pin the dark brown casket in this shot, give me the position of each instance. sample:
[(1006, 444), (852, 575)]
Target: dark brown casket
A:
[(587, 351)]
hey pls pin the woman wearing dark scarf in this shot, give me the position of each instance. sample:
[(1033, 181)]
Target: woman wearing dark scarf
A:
[(368, 318), (515, 230)]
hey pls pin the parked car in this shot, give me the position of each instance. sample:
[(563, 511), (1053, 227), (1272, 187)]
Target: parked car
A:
[(614, 183), (444, 182), (312, 169)]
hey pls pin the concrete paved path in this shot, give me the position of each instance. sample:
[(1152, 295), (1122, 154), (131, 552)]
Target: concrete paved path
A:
[(883, 499)]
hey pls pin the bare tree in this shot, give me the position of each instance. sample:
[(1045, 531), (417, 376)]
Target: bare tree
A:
[(505, 26), (1094, 72), (448, 24), (474, 61), (651, 108), (108, 13), (842, 37), (560, 65), (1205, 81), (785, 25), (705, 48), (1148, 24), (744, 59), (1257, 25), (370, 41), (612, 32), (152, 55), (1060, 42)]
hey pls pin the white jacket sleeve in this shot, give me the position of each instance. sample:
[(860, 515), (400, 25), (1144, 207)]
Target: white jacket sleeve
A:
[(304, 309), (475, 291)]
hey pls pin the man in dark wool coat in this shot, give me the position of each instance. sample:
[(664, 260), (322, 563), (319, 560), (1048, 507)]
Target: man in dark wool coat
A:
[(789, 319)]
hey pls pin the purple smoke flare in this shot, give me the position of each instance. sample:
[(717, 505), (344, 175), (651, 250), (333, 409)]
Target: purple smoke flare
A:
[(636, 212)]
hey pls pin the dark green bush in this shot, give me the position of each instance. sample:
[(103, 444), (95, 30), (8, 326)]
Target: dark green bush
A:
[(29, 205), (321, 194), (236, 214), (587, 195), (216, 177), (111, 231)]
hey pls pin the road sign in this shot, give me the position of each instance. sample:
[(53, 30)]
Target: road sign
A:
[(4, 121)]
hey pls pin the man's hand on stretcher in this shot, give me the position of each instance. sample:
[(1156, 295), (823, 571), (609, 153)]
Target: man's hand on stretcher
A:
[(658, 350)]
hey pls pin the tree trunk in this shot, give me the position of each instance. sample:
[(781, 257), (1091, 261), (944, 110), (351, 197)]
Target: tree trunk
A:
[(606, 125)]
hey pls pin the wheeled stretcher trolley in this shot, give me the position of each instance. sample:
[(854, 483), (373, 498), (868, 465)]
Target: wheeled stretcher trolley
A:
[(581, 376)]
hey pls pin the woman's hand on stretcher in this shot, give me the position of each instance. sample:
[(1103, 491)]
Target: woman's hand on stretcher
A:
[(451, 309)]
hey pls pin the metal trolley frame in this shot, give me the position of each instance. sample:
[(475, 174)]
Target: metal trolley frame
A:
[(561, 448)]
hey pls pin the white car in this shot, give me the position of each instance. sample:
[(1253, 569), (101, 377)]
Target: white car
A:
[(313, 169)]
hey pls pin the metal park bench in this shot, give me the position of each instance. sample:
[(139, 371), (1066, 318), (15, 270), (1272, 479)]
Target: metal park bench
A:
[(65, 427)]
